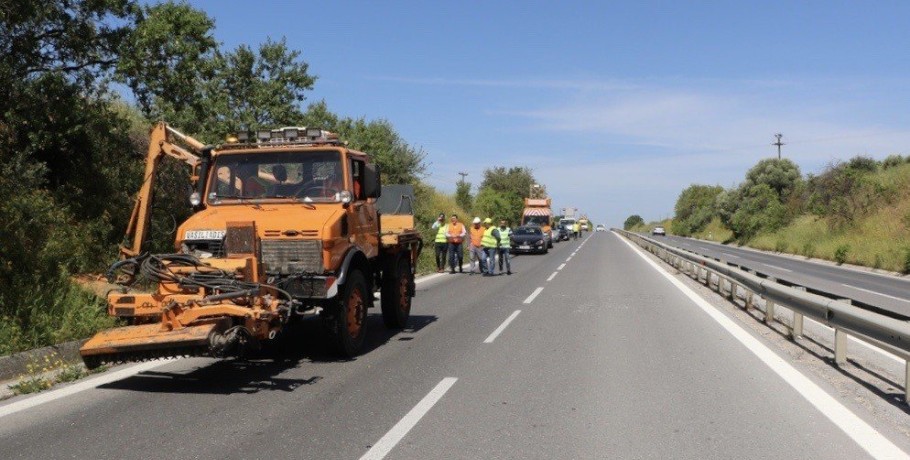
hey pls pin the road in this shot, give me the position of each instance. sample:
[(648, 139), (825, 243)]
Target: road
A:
[(605, 359), (887, 292)]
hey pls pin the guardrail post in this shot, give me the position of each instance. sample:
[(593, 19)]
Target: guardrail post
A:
[(907, 381), (796, 327), (840, 347), (769, 311), (732, 290), (750, 296)]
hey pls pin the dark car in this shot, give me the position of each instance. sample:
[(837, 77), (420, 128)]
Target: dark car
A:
[(528, 238), (560, 233)]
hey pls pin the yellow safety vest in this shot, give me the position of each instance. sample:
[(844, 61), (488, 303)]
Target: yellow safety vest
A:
[(504, 237), (441, 233), (489, 241)]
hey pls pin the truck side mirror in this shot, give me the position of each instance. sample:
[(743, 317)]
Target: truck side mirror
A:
[(371, 185)]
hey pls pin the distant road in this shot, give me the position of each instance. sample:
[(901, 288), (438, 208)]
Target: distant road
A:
[(591, 351), (887, 292)]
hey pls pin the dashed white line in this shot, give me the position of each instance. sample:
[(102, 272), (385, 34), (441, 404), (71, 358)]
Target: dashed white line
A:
[(552, 276), (502, 327), (861, 432), (534, 295), (777, 268), (568, 259), (401, 429), (561, 266), (876, 293)]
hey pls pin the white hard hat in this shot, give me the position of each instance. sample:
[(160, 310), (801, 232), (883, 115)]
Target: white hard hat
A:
[(476, 220)]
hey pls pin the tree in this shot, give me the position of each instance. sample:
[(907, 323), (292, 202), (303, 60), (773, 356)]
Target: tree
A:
[(632, 222), (497, 205), (515, 180), (760, 210), (780, 175), (695, 208), (463, 195)]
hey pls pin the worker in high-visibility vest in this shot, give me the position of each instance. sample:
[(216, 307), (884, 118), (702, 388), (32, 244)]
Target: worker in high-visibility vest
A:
[(441, 242), (490, 243), (455, 235), (576, 227), (475, 248), (505, 244)]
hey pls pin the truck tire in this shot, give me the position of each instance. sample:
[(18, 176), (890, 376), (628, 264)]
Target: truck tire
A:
[(396, 293), (350, 317)]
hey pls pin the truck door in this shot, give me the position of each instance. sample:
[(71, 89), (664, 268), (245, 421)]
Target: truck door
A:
[(363, 214)]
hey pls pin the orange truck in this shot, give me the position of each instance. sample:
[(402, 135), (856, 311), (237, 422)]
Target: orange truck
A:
[(286, 225), (537, 212)]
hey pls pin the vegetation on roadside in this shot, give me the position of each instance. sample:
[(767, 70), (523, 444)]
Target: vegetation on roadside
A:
[(856, 211), (48, 371)]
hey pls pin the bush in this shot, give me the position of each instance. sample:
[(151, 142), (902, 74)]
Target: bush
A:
[(809, 250), (781, 246), (840, 253), (907, 261), (892, 161), (632, 222)]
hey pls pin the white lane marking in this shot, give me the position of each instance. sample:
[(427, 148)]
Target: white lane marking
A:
[(424, 279), (401, 429), (43, 398), (777, 268), (568, 259), (876, 293), (502, 327), (552, 276), (534, 295), (732, 256), (561, 266), (861, 432)]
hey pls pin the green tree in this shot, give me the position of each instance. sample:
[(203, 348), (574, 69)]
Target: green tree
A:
[(632, 222), (695, 208), (497, 205), (781, 175), (463, 195), (515, 180), (760, 210)]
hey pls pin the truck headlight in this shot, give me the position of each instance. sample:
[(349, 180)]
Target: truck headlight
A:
[(195, 199)]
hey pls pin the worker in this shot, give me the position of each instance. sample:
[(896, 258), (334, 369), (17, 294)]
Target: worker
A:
[(475, 247), (253, 185), (441, 242), (576, 227), (455, 235), (490, 243), (505, 244)]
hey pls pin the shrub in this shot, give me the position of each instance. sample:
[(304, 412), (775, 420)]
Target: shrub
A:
[(907, 261), (781, 246), (892, 161), (809, 250), (840, 253)]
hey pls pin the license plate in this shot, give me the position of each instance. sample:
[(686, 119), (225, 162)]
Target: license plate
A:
[(524, 246), (204, 235)]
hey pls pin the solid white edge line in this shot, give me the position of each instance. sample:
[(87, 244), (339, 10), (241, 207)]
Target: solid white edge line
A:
[(401, 429), (778, 268), (870, 440), (552, 276), (874, 292), (502, 327), (533, 295), (561, 266), (88, 384)]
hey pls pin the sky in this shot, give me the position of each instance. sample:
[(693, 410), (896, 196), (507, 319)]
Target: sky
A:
[(616, 106)]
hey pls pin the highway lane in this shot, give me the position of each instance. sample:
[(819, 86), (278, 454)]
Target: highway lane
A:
[(887, 292), (606, 360)]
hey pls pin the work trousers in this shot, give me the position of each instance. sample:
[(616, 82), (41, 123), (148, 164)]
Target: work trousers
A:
[(504, 257), (490, 259), (441, 249), (477, 256), (456, 256)]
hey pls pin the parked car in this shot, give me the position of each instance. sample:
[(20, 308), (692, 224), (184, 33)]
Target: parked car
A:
[(658, 231), (560, 233), (600, 228), (528, 239)]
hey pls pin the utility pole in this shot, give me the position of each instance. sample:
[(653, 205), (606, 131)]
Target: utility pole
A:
[(779, 144), (462, 174)]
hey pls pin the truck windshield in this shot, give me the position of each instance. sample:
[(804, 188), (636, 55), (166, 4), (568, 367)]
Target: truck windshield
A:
[(536, 220), (311, 176)]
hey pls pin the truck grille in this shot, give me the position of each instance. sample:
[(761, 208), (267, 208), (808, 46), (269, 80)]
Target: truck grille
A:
[(213, 247), (292, 256)]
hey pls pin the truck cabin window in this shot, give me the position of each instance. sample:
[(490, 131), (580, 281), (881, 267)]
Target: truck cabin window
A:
[(537, 220), (307, 176)]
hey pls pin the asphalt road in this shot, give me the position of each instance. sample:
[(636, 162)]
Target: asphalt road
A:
[(606, 359), (886, 292)]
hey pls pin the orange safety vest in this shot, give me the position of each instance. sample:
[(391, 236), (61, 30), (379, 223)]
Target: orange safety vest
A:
[(476, 236), (455, 230)]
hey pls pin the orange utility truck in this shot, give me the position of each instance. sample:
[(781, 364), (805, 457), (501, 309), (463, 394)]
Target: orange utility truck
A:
[(537, 212), (285, 225)]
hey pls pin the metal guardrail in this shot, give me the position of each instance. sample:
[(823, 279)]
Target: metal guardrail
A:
[(878, 330)]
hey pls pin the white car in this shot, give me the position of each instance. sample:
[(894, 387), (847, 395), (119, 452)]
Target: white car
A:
[(600, 228), (658, 231)]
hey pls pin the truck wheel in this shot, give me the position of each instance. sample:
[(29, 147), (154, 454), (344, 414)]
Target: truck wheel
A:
[(351, 315), (396, 295)]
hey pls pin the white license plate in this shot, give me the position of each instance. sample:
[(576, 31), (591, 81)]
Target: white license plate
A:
[(524, 246), (204, 235)]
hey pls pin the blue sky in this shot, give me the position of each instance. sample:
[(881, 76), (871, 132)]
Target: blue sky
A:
[(616, 106)]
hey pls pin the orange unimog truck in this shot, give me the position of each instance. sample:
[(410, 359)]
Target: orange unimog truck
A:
[(537, 212), (285, 225)]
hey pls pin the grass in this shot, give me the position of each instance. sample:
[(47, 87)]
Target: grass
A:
[(715, 231)]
